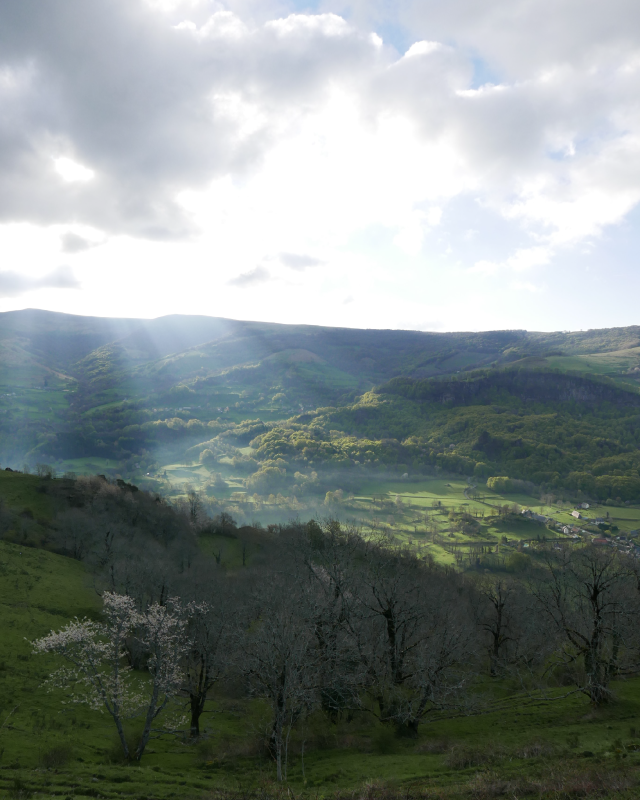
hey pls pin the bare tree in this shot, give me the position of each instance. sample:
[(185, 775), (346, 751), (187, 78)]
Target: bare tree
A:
[(280, 662), (414, 635), (330, 559), (195, 506), (208, 655), (501, 611), (590, 598)]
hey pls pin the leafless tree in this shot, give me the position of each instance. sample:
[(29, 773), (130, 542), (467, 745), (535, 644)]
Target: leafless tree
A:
[(330, 557), (210, 628), (502, 611), (280, 662), (195, 506), (589, 596), (414, 635)]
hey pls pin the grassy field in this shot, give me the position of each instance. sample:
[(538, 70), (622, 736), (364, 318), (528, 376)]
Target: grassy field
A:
[(19, 493), (427, 514), (65, 750), (34, 404), (618, 364)]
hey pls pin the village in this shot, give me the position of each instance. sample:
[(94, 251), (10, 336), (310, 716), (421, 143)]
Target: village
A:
[(597, 529)]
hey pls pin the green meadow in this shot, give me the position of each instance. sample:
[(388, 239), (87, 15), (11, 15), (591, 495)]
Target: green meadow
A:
[(57, 749)]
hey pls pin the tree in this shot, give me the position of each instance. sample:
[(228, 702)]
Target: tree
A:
[(99, 675), (413, 634), (502, 611), (280, 662), (224, 523), (590, 598), (207, 656), (195, 506)]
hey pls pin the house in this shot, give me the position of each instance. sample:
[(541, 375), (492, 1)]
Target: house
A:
[(576, 514), (601, 541), (527, 512), (566, 530), (584, 505)]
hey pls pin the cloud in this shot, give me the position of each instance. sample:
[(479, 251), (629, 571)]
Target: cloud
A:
[(13, 284), (246, 279), (72, 243), (299, 262), (197, 121), (183, 105)]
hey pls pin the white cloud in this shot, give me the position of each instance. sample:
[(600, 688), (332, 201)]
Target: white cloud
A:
[(71, 171), (315, 136)]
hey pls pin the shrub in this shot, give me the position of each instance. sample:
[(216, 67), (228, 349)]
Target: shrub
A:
[(56, 757), (461, 756)]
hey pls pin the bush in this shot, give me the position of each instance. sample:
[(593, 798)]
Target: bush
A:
[(517, 562), (19, 791), (461, 756), (55, 758)]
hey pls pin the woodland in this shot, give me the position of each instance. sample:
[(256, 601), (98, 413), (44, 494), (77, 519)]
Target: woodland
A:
[(255, 560)]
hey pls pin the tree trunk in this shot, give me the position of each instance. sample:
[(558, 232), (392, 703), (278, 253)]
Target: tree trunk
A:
[(151, 715), (196, 703), (277, 736), (121, 735)]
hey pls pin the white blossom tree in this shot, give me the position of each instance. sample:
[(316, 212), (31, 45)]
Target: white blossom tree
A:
[(98, 674)]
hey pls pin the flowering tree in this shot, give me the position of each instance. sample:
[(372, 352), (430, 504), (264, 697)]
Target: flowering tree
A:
[(98, 674)]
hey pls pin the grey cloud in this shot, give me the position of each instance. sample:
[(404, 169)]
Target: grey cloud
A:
[(114, 85), (298, 261), (72, 243), (245, 279), (13, 283)]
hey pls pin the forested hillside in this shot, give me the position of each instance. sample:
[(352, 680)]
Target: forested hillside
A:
[(275, 409)]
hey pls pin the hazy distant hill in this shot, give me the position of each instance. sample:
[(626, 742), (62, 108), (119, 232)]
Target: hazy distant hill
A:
[(127, 389), (180, 347)]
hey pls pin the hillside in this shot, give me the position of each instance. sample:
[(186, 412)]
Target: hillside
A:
[(255, 404), (496, 739)]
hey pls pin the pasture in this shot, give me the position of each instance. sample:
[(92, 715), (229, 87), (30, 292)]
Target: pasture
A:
[(57, 749)]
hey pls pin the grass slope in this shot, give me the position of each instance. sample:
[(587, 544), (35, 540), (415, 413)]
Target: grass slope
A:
[(64, 750), (59, 750)]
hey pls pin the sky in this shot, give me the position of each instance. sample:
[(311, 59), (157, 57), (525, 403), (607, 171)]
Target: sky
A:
[(408, 164)]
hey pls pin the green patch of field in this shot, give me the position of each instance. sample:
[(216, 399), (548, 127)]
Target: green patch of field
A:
[(618, 364), (36, 404), (438, 515), (20, 492)]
